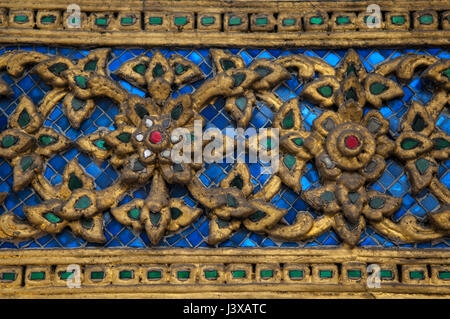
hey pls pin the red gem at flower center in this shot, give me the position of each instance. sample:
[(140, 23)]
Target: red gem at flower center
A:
[(155, 137), (351, 142)]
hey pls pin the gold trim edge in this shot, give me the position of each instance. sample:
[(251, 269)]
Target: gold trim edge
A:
[(261, 23), (267, 273)]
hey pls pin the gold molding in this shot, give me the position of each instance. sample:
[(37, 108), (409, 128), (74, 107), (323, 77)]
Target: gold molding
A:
[(112, 261), (219, 33)]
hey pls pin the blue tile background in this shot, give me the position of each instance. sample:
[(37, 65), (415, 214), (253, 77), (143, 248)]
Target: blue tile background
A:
[(393, 181)]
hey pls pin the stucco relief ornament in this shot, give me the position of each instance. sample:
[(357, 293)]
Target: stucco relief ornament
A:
[(27, 144)]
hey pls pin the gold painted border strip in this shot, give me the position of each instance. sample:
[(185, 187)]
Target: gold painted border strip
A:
[(274, 34), (170, 39), (111, 261), (130, 5)]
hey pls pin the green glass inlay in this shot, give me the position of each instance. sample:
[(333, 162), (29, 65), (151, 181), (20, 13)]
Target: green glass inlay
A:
[(9, 140), (377, 88), (386, 274), (237, 182), (124, 137), (37, 275), (398, 19), (447, 72), (241, 103), (238, 78), (181, 68), (180, 20), (353, 197), (134, 213), (297, 141), (158, 70), (177, 167), (256, 217), (426, 19), (176, 112), (417, 274), (91, 65), (316, 20), (183, 274), (288, 121), (140, 68), (101, 144), (296, 274), (154, 274), (444, 275), (343, 20), (9, 276), (231, 201), (21, 18), (87, 223), (325, 91), (81, 81), (175, 212), (377, 202), (234, 21), (155, 218), (52, 218), (138, 166), (101, 22), (371, 166), (268, 143), (46, 140), (351, 94), (266, 274), (410, 143), (78, 104), (65, 275), (418, 123), (127, 21), (222, 223), (354, 274), (440, 143), (325, 273), (327, 196), (238, 273), (351, 69), (57, 68), (126, 274), (262, 21), (211, 274), (140, 110), (97, 275), (207, 20), (155, 20), (24, 118), (288, 22), (289, 160), (227, 64), (263, 71), (422, 165), (83, 202), (25, 162), (49, 19), (75, 182)]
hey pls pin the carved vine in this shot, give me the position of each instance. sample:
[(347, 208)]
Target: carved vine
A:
[(348, 146)]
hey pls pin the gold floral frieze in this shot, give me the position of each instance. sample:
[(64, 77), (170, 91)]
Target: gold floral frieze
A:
[(348, 148)]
